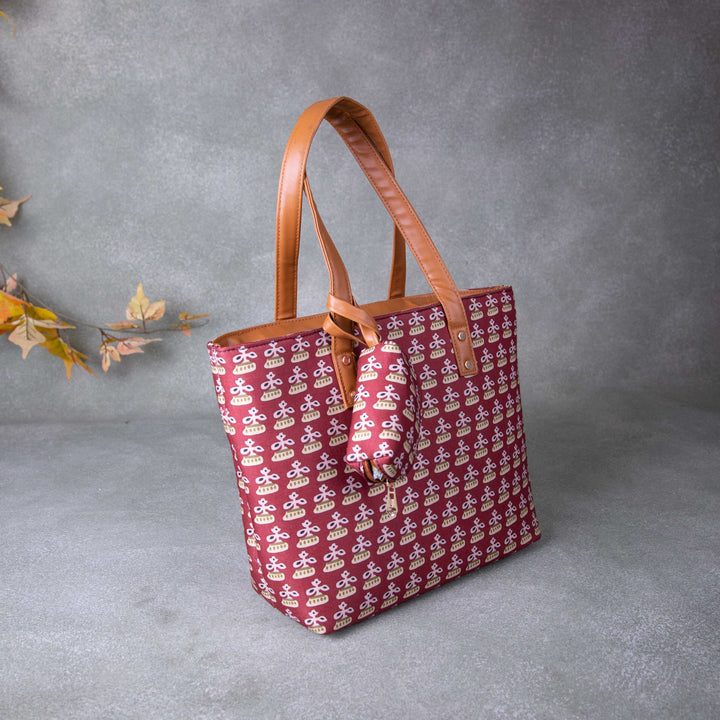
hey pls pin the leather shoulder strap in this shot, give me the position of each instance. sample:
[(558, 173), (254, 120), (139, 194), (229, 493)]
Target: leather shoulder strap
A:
[(344, 313), (416, 236), (290, 191)]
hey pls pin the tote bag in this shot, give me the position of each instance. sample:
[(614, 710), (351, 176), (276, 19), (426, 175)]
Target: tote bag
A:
[(379, 449)]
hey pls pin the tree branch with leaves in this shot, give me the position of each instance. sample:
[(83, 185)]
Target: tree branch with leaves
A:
[(30, 322)]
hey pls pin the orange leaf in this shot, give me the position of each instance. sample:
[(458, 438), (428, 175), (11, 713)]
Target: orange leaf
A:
[(108, 352), (183, 327), (10, 307)]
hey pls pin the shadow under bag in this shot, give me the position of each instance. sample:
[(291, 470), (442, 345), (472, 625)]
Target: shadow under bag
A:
[(379, 449)]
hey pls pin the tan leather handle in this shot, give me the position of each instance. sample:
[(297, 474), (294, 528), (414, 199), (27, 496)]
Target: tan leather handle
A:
[(343, 315), (290, 190), (414, 233)]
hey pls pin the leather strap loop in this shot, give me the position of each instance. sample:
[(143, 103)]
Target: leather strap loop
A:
[(368, 327), (289, 208), (331, 327)]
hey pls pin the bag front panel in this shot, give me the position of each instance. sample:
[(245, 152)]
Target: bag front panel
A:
[(322, 545)]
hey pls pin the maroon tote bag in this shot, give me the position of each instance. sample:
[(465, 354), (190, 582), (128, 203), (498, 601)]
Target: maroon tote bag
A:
[(379, 449)]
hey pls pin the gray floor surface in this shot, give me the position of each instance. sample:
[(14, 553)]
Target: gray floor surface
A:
[(124, 591)]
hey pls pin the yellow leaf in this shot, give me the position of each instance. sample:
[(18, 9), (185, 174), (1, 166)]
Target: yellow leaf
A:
[(137, 306), (140, 308), (69, 355), (77, 359), (10, 307), (29, 321), (155, 310), (8, 208), (41, 315)]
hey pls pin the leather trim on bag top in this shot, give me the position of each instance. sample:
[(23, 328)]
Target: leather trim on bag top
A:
[(292, 326)]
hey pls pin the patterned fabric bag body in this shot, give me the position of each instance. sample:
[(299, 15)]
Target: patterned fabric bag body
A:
[(379, 449), (385, 420)]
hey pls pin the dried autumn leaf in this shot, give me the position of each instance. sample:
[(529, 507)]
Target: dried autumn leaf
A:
[(155, 311), (18, 315), (133, 345), (137, 306), (8, 208), (11, 308), (109, 352), (30, 331), (42, 313), (187, 316), (184, 327), (69, 355), (26, 336), (140, 308), (124, 325)]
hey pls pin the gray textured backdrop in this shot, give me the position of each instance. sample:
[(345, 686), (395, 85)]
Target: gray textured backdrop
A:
[(570, 149), (567, 148)]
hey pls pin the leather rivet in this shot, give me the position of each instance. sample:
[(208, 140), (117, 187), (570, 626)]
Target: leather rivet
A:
[(461, 336), (346, 360), (468, 365)]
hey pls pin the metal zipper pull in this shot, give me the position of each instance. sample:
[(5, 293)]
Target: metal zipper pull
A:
[(391, 506)]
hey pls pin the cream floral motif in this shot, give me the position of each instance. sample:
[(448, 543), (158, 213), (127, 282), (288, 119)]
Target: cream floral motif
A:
[(385, 424)]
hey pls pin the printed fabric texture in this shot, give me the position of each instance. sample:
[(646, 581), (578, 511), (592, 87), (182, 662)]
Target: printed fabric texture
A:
[(324, 544), (385, 421)]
